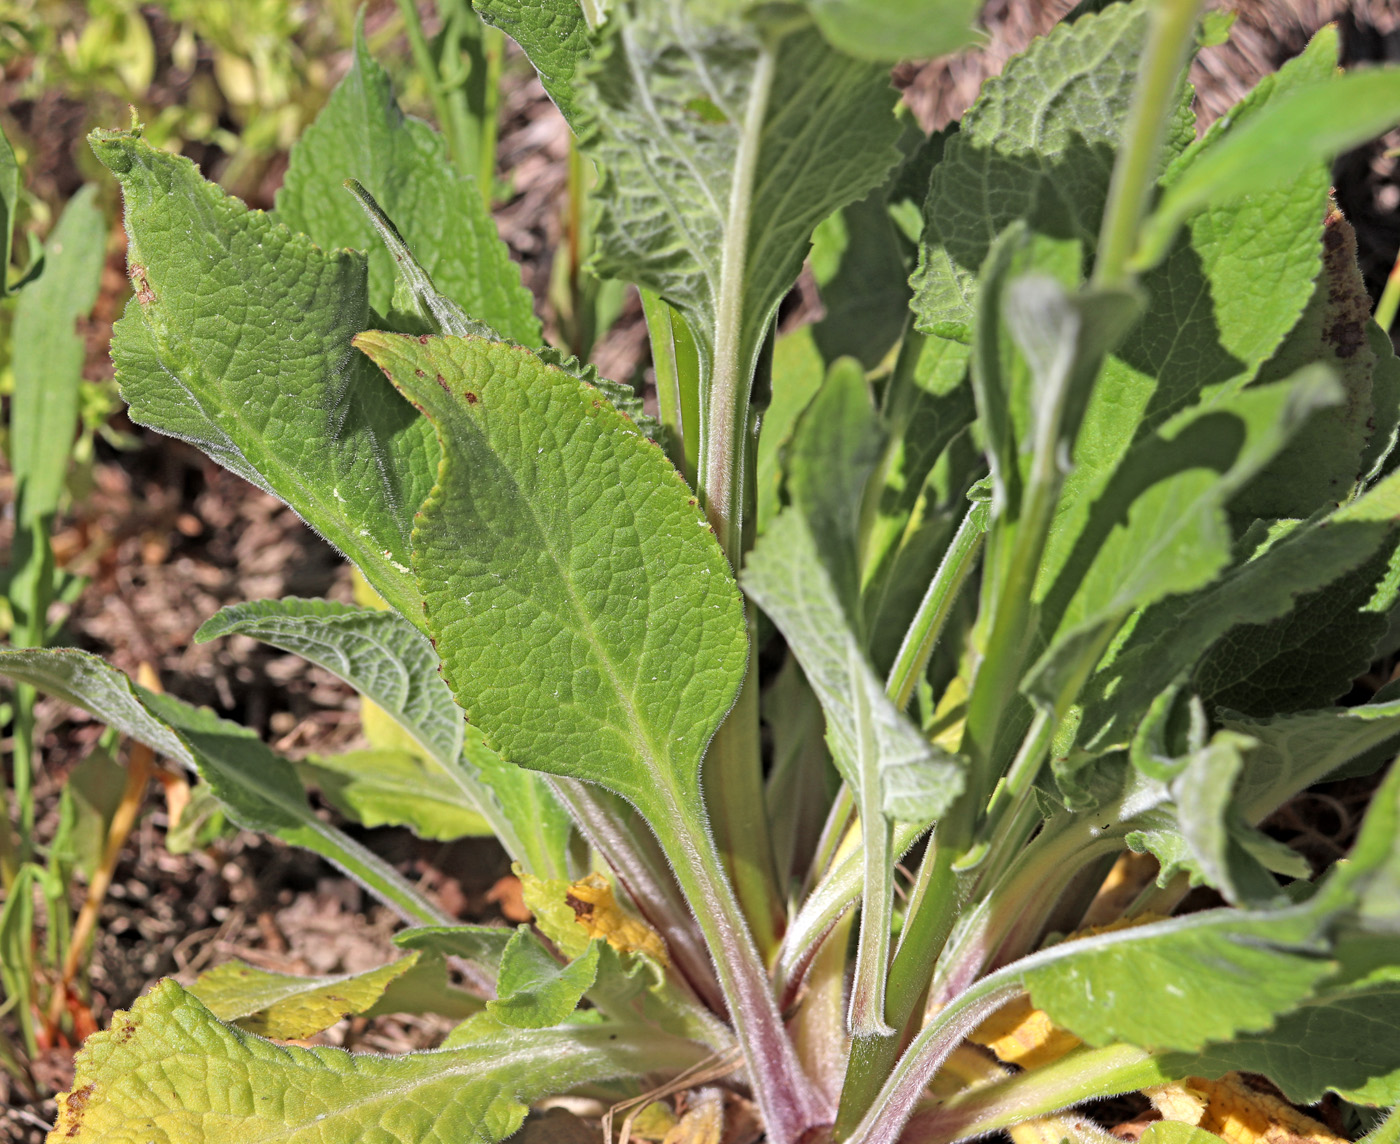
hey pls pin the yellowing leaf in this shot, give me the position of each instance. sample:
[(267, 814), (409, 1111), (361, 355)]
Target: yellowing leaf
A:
[(287, 1007), (597, 911), (1021, 1034), (703, 1123), (1237, 1112)]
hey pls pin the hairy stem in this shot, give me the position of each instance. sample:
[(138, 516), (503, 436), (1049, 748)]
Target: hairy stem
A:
[(1168, 44)]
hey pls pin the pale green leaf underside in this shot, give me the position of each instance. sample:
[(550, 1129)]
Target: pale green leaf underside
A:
[(785, 576), (238, 340), (379, 653), (403, 162), (720, 148), (384, 786), (168, 1072), (1038, 144), (587, 619), (390, 662), (259, 788)]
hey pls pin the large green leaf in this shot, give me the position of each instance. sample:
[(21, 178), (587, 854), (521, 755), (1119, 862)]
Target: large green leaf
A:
[(720, 146), (1038, 144), (403, 162), (1343, 1043), (588, 622), (238, 340), (259, 788), (586, 618), (169, 1070)]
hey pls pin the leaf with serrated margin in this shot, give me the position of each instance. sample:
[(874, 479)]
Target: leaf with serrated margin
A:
[(1159, 525), (169, 1070), (387, 660), (896, 29), (720, 147), (1038, 144), (1170, 637), (403, 162), (534, 990), (1302, 748), (1343, 1042), (259, 789), (238, 340), (1218, 308), (288, 1007), (553, 34), (587, 619)]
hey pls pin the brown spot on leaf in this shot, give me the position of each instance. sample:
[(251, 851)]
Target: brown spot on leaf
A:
[(442, 381), (471, 397), (1348, 305), (419, 373), (582, 910), (141, 284), (422, 339), (74, 1105)]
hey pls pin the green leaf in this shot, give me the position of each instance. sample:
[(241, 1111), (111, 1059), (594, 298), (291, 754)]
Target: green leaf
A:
[(720, 147), (1213, 975), (1299, 749), (1038, 144), (1343, 1043), (92, 791), (48, 352), (259, 788), (1325, 459), (17, 950), (379, 653), (9, 200), (362, 134), (1175, 1132), (386, 787), (1171, 637), (554, 34), (798, 370), (534, 991), (1159, 526), (896, 29), (1304, 127), (287, 1007), (484, 945), (587, 620), (169, 1070), (202, 354)]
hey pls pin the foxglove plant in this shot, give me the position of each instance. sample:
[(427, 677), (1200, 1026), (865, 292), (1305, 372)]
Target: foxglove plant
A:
[(1071, 516)]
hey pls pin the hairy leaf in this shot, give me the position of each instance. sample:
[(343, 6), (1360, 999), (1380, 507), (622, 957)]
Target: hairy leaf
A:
[(169, 1070), (361, 134), (534, 991), (388, 661), (554, 34), (238, 340)]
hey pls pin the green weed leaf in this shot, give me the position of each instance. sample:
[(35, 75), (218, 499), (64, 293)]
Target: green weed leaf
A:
[(170, 1070), (896, 29), (588, 623), (238, 340), (361, 134), (534, 991)]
